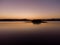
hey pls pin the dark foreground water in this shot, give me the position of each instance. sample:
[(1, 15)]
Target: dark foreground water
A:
[(25, 32)]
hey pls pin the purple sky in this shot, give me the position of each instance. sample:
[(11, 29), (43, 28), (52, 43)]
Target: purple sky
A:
[(30, 9)]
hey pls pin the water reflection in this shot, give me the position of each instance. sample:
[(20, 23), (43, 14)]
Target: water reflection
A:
[(28, 25), (27, 31), (38, 22)]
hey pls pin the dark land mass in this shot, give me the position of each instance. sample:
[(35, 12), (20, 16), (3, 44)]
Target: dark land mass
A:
[(51, 19), (14, 20), (29, 19), (34, 21)]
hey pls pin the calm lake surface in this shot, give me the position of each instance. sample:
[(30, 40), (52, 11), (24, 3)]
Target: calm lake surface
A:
[(29, 27), (26, 30)]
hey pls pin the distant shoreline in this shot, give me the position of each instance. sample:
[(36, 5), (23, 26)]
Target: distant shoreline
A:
[(34, 21), (29, 19)]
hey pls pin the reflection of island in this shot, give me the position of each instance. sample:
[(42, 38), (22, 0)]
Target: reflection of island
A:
[(38, 21)]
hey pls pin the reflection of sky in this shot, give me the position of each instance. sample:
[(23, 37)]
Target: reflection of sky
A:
[(29, 8)]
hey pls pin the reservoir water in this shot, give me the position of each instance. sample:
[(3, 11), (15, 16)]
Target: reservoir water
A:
[(27, 31)]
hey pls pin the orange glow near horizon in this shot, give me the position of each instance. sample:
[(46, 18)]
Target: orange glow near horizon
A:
[(29, 9)]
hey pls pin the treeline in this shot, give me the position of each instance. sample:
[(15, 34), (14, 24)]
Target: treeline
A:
[(29, 19), (14, 20), (51, 19)]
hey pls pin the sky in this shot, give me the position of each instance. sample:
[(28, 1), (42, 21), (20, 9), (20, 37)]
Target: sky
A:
[(30, 9)]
